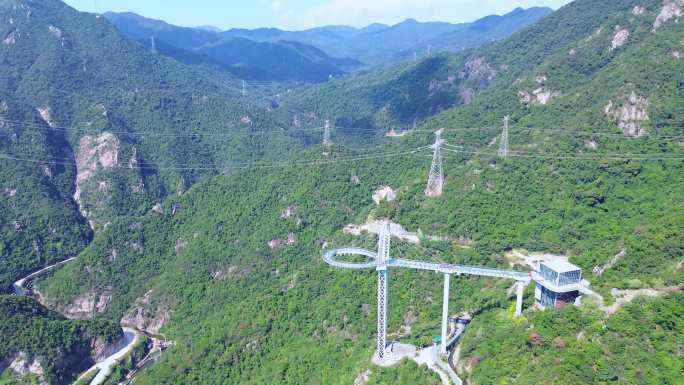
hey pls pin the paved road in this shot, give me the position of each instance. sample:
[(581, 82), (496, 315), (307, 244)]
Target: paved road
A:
[(131, 336), (18, 286)]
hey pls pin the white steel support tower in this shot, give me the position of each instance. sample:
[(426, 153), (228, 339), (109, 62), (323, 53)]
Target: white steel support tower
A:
[(327, 138), (244, 88), (503, 142), (382, 262), (383, 288), (436, 179), (445, 313)]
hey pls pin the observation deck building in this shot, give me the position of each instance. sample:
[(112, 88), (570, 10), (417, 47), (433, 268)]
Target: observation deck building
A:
[(558, 283)]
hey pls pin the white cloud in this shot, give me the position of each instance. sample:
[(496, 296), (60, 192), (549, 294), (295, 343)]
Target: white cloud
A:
[(278, 6), (364, 12), (358, 12)]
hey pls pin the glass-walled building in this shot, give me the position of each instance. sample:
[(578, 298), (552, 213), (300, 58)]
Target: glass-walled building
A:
[(557, 284)]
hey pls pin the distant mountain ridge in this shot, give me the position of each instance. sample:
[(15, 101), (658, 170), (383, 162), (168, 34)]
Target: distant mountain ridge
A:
[(263, 59), (371, 45)]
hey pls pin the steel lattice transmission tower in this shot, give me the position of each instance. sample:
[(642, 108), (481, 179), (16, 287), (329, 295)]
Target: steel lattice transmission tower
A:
[(436, 179), (383, 288), (503, 143), (327, 141)]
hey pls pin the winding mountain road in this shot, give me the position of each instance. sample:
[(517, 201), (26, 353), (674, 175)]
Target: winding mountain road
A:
[(104, 367), (18, 286), (131, 337)]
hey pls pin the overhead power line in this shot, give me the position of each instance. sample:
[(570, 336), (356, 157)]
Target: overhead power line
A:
[(238, 165), (27, 124)]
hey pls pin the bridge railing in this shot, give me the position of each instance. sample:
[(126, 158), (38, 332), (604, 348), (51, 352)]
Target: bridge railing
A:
[(460, 269), (329, 257)]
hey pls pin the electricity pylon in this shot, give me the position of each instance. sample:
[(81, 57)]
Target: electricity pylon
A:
[(436, 179), (327, 141), (503, 143)]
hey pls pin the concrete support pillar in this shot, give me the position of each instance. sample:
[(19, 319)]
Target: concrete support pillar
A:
[(445, 313), (519, 299)]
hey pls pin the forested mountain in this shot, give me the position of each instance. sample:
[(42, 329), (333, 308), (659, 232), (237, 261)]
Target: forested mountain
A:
[(399, 42), (231, 269), (374, 44), (32, 333), (94, 126), (487, 29), (262, 60)]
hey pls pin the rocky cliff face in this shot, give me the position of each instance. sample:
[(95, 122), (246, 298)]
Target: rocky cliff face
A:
[(31, 367), (146, 315), (95, 153), (630, 114), (24, 365), (86, 306)]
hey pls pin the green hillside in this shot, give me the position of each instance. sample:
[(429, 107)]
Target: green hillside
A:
[(63, 347), (230, 269), (398, 97), (87, 114)]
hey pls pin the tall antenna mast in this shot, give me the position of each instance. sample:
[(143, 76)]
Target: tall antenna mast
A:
[(436, 180), (244, 88), (429, 50), (503, 143), (327, 141), (153, 44)]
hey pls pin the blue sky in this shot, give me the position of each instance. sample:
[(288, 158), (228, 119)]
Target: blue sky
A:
[(301, 14)]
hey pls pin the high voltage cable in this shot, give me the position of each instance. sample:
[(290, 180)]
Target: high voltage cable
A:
[(285, 130), (415, 151), (240, 166), (572, 156)]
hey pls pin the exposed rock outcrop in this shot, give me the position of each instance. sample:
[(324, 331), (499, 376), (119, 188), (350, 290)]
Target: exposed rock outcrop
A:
[(289, 212), (46, 116), (55, 31), (477, 68), (436, 86), (599, 270), (95, 153), (290, 240), (630, 115), (384, 193), (147, 316), (100, 349), (23, 364), (638, 10), (539, 96), (672, 9), (620, 38), (11, 38), (86, 306)]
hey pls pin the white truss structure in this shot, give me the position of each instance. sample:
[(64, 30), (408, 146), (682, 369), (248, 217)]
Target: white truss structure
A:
[(382, 261), (436, 179)]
